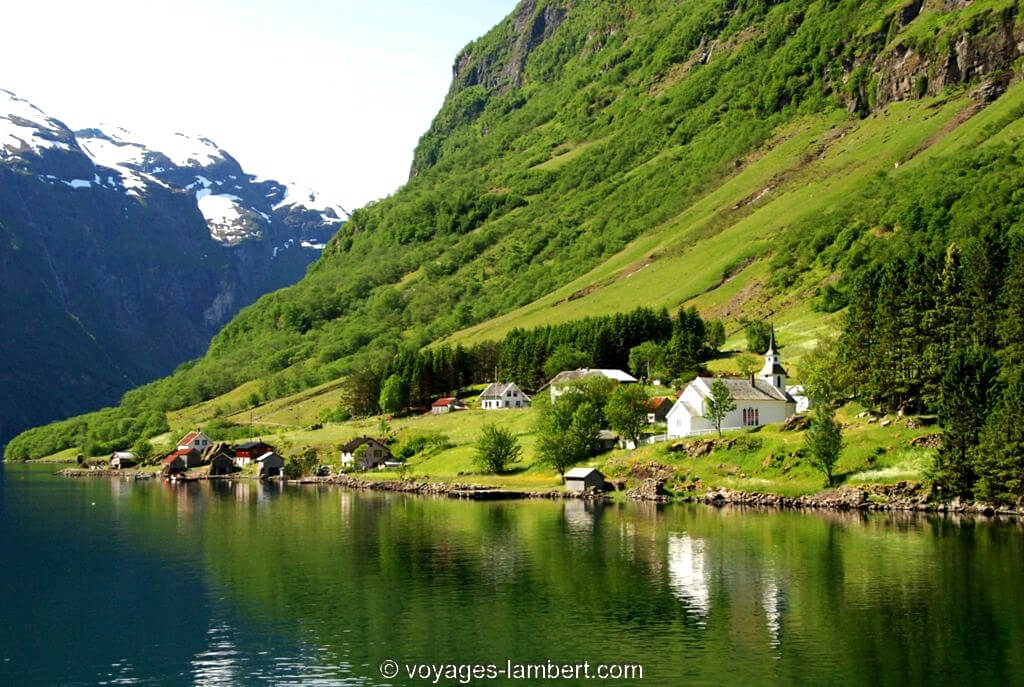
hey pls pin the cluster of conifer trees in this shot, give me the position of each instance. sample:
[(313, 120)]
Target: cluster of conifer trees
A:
[(531, 357), (943, 333)]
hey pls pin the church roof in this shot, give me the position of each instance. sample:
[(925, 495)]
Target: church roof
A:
[(745, 390)]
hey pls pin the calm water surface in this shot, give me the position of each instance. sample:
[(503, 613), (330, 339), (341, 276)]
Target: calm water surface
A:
[(117, 582)]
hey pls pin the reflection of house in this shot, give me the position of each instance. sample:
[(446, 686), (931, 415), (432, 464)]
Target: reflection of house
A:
[(657, 409), (497, 396), (122, 459), (447, 404), (761, 400), (271, 464), (686, 572), (374, 455), (563, 380), (583, 479), (196, 440), (249, 451)]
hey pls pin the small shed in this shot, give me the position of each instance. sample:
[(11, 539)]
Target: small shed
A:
[(607, 440), (222, 463), (448, 404), (584, 479), (657, 409), (174, 464), (271, 464), (120, 460)]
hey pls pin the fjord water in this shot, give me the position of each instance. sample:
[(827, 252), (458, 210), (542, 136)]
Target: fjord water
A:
[(120, 582)]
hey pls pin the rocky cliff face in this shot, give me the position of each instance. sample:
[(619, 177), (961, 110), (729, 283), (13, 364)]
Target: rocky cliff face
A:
[(491, 67), (121, 259), (909, 61), (501, 67)]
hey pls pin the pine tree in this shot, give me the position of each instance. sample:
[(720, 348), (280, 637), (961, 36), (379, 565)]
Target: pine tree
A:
[(969, 389), (999, 456)]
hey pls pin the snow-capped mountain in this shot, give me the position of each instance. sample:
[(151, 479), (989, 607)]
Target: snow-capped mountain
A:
[(122, 254), (236, 206)]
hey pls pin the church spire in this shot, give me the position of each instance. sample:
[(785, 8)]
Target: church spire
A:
[(773, 372), (772, 350)]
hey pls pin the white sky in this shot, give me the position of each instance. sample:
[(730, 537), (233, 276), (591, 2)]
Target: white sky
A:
[(333, 94)]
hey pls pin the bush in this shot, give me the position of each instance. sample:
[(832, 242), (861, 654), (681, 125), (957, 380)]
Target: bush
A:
[(496, 450)]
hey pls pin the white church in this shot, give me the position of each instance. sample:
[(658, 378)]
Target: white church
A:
[(759, 400)]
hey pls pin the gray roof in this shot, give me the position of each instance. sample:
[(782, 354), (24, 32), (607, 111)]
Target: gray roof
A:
[(496, 390), (581, 473), (607, 435), (352, 445), (744, 390)]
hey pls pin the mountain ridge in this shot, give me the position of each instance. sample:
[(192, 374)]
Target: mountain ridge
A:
[(661, 153), (132, 256)]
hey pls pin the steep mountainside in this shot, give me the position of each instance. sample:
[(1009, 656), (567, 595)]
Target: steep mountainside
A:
[(119, 261), (594, 156)]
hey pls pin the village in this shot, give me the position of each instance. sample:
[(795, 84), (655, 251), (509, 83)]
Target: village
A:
[(755, 401)]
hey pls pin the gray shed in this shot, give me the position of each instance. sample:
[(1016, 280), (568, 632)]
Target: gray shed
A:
[(122, 459), (271, 464), (582, 479)]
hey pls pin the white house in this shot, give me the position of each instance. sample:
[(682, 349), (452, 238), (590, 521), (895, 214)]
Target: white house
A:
[(759, 400), (377, 454), (803, 401), (196, 440), (563, 379), (498, 396)]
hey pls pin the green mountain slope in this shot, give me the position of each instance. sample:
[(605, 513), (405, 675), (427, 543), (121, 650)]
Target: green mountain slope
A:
[(593, 156)]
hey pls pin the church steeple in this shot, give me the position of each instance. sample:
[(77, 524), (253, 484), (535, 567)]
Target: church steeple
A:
[(773, 372)]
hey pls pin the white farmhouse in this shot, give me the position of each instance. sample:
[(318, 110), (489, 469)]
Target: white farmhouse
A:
[(197, 440), (563, 379), (759, 400), (497, 396)]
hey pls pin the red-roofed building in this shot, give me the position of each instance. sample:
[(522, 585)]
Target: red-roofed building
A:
[(447, 404), (182, 459), (196, 440), (657, 409)]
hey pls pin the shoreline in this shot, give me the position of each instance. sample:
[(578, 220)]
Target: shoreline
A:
[(899, 497)]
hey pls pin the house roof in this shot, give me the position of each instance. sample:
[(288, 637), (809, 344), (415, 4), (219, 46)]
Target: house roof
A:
[(251, 445), (123, 454), (745, 390), (658, 403), (178, 453), (572, 375), (357, 442), (188, 437), (582, 473), (496, 389), (607, 435), (443, 402), (268, 454)]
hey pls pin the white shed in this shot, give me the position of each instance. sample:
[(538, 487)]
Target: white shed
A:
[(582, 479)]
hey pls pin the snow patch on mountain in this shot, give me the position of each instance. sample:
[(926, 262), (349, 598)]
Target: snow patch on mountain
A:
[(26, 128), (229, 221)]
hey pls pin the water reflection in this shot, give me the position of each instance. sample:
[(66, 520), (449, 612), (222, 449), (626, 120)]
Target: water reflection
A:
[(292, 585), (687, 574)]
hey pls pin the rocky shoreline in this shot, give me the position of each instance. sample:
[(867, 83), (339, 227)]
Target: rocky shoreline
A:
[(901, 496)]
